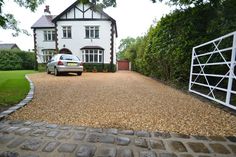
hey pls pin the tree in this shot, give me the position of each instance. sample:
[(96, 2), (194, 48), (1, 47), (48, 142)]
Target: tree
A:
[(7, 21), (124, 44)]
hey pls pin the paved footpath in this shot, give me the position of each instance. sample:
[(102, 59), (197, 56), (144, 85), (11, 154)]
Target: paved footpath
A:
[(39, 139)]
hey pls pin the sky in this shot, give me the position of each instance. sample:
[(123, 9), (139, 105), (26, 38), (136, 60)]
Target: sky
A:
[(133, 18)]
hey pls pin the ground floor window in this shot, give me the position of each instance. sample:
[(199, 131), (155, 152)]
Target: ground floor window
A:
[(47, 55), (92, 56)]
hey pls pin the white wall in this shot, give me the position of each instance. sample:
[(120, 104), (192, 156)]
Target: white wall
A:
[(41, 44), (78, 37)]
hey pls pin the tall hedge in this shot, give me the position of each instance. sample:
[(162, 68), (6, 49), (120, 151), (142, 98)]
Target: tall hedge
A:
[(165, 51), (16, 60)]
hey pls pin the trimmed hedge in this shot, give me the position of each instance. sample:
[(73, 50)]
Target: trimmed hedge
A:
[(165, 51), (16, 60), (91, 67), (88, 67)]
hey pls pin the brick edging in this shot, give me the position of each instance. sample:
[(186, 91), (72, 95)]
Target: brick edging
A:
[(22, 103)]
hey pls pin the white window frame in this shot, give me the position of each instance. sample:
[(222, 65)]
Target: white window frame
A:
[(91, 53), (92, 32), (47, 55), (49, 35), (67, 29)]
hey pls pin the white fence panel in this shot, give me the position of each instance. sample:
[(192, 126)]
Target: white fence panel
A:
[(206, 87)]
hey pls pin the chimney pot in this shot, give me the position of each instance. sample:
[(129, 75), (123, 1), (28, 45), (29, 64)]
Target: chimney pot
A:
[(46, 10)]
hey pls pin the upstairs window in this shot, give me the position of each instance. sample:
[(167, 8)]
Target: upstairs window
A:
[(66, 31), (49, 35), (92, 32)]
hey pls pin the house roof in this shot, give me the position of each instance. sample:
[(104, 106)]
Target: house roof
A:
[(44, 21), (77, 2), (9, 46)]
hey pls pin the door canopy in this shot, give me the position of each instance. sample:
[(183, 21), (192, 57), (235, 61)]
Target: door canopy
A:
[(65, 51)]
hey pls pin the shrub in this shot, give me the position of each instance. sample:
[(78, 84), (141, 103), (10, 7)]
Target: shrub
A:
[(42, 67), (10, 61), (90, 67), (16, 60)]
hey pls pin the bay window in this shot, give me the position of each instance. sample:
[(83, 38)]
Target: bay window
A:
[(92, 56)]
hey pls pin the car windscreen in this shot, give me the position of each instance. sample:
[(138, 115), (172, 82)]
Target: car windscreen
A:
[(69, 57)]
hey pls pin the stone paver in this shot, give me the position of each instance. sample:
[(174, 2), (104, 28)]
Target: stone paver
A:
[(31, 139)]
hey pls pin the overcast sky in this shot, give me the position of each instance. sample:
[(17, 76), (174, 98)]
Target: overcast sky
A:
[(133, 17)]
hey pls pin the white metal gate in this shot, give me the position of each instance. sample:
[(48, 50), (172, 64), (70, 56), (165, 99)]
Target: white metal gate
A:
[(221, 56)]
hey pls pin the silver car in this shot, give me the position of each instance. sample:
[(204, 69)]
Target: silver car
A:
[(64, 63)]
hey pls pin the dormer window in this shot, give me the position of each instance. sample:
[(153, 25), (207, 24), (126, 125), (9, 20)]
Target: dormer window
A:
[(92, 32), (66, 31), (49, 35)]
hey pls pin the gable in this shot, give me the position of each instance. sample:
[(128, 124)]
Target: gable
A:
[(82, 11)]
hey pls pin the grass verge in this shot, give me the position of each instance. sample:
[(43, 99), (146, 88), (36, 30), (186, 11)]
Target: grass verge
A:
[(13, 86)]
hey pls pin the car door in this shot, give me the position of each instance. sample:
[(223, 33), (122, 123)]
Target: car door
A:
[(50, 64)]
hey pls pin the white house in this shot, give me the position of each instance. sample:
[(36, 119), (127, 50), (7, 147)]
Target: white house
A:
[(81, 29)]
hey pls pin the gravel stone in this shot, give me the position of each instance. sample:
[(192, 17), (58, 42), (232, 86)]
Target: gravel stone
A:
[(134, 102)]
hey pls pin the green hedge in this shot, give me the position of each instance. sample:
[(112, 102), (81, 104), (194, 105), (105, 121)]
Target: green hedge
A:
[(165, 51), (98, 67), (42, 67), (16, 60)]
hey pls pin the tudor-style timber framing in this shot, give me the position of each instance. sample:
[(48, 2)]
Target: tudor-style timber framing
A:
[(79, 16)]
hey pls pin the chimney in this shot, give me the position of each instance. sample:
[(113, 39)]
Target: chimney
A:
[(46, 10)]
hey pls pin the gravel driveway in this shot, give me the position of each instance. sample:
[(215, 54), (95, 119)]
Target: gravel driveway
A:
[(124, 100)]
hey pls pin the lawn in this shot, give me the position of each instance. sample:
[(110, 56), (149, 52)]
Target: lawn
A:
[(13, 86)]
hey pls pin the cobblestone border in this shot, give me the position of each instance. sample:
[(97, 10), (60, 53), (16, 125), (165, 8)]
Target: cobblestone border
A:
[(22, 103), (41, 139)]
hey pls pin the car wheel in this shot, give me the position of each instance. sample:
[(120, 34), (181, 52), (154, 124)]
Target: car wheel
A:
[(48, 72), (79, 73), (56, 73)]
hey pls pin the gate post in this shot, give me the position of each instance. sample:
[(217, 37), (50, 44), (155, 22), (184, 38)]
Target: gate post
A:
[(231, 74), (191, 70)]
